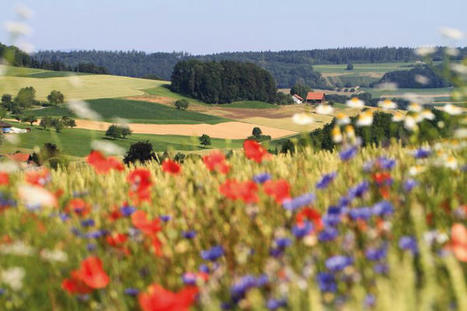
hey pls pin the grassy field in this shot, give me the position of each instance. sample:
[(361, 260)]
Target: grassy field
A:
[(428, 92), (163, 91), (250, 104), (362, 68), (136, 112), (77, 142), (76, 87)]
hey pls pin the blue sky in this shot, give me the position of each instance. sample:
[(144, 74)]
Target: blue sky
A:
[(206, 26)]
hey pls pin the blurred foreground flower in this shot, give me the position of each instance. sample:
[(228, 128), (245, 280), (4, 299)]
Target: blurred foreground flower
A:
[(302, 118), (13, 277), (355, 102), (324, 109), (451, 33), (82, 110), (18, 29), (157, 298), (34, 196)]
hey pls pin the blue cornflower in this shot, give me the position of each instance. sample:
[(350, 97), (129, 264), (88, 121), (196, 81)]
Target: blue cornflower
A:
[(261, 178), (326, 282), (189, 278), (283, 242), (337, 263), (204, 268), (189, 234), (409, 184), (131, 291), (76, 232), (369, 301), (386, 163), (348, 153), (301, 230), (2, 291), (331, 220), (274, 304), (381, 268), (328, 234), (408, 243), (95, 234), (421, 153), (344, 201), (239, 289), (127, 210), (359, 190), (361, 213), (64, 217), (383, 208), (326, 180), (91, 247), (165, 218), (376, 254), (213, 253), (298, 202), (88, 222)]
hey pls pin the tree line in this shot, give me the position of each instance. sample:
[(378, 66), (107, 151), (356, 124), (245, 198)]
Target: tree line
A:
[(287, 67), (223, 82), (421, 76)]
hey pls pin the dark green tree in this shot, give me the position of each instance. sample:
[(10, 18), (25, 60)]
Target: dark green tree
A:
[(257, 132), (56, 97), (29, 119), (45, 122), (349, 66), (205, 140), (68, 122), (116, 131), (140, 152), (26, 97), (182, 104), (300, 89)]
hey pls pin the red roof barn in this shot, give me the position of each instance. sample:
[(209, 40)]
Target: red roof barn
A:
[(315, 97)]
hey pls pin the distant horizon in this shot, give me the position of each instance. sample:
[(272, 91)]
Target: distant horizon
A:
[(239, 51), (211, 27)]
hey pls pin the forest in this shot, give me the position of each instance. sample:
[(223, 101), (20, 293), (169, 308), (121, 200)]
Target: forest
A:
[(421, 76), (223, 82), (287, 67)]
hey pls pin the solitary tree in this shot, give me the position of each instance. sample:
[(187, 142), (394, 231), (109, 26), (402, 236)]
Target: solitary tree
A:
[(26, 97), (56, 97), (141, 151), (205, 140), (68, 122), (45, 122), (257, 132), (57, 124), (349, 66), (182, 104)]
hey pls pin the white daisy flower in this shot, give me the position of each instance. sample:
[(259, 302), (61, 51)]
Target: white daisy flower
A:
[(324, 109), (451, 33), (398, 117), (425, 50), (365, 118), (427, 114), (421, 79), (302, 118), (34, 196), (342, 119), (336, 135), (414, 107), (82, 110), (355, 102), (54, 255), (350, 131), (452, 51), (107, 147), (13, 277), (410, 123), (452, 109), (17, 248), (459, 68), (17, 29), (387, 104)]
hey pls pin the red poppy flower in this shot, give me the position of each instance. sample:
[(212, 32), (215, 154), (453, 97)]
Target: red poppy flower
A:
[(4, 179), (78, 206), (38, 177), (254, 151), (381, 178), (92, 273), (156, 245), (140, 220), (157, 298), (279, 189), (245, 191), (116, 239), (115, 214), (103, 165), (459, 241), (311, 215), (89, 276), (215, 161), (140, 184), (171, 167), (74, 285)]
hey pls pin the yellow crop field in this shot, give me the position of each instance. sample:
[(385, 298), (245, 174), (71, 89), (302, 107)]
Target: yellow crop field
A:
[(79, 86)]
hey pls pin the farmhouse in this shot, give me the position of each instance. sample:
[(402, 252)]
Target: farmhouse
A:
[(297, 99), (315, 97), (5, 127)]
